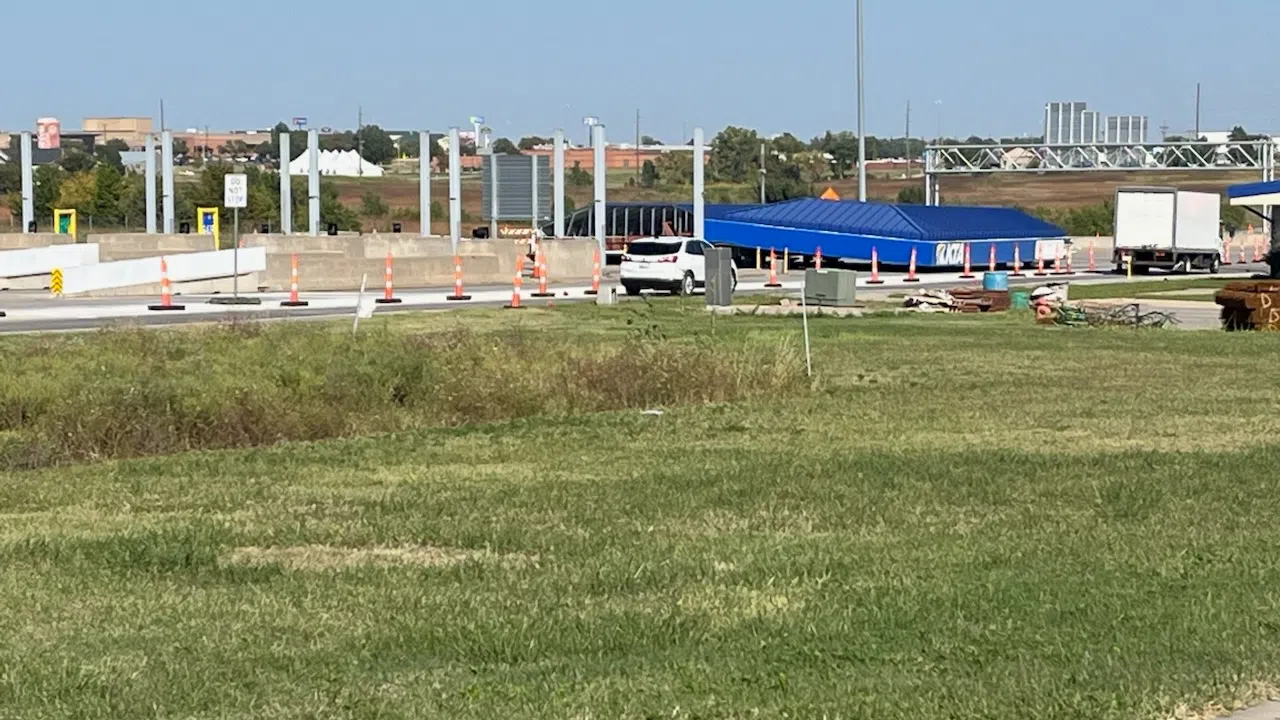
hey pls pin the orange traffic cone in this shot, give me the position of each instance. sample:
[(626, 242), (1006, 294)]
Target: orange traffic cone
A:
[(1243, 261), (516, 285), (595, 273), (968, 270), (875, 269), (911, 269), (457, 281), (388, 290), (541, 264), (773, 271), (1017, 262), (817, 259), (991, 258), (166, 290), (1040, 263), (1093, 260), (1257, 250), (293, 300), (1226, 252)]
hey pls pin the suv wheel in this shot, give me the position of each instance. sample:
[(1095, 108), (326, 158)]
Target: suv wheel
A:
[(632, 289), (687, 284)]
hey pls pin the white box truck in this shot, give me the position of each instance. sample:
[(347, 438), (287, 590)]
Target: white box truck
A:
[(1169, 229)]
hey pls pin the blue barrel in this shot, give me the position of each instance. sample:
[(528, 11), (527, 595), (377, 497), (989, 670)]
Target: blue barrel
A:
[(995, 281)]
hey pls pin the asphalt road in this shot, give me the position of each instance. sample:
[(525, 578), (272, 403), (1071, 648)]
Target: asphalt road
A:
[(29, 312)]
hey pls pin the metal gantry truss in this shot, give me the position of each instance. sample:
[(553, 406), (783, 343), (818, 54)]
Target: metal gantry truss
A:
[(1257, 155)]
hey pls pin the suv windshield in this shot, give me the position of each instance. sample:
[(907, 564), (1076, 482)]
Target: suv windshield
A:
[(650, 247)]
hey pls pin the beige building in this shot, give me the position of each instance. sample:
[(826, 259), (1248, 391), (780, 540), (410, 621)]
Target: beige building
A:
[(132, 130)]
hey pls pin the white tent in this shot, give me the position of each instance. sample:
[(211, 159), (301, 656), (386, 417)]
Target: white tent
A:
[(340, 163)]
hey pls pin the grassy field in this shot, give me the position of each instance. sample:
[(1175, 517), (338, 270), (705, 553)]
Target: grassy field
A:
[(962, 517), (1204, 288)]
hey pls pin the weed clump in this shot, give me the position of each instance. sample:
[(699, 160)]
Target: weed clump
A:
[(131, 392)]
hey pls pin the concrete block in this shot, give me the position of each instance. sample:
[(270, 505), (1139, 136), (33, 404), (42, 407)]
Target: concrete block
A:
[(42, 260), (18, 241), (127, 246), (183, 267), (570, 258), (320, 271), (249, 284), (349, 245)]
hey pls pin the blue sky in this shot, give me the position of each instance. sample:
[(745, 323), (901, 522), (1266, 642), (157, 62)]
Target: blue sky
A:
[(531, 66)]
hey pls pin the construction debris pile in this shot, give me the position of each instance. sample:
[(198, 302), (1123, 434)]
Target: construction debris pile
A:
[(966, 300), (1250, 305), (1130, 315)]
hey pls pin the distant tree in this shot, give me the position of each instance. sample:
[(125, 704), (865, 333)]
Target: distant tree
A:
[(410, 145), (577, 177), (109, 153), (373, 206), (735, 155), (649, 140), (339, 142), (533, 141), (108, 183), (74, 160), (503, 146), (787, 144), (376, 145), (180, 147), (843, 149), (48, 181), (648, 174), (675, 168), (913, 195), (77, 193)]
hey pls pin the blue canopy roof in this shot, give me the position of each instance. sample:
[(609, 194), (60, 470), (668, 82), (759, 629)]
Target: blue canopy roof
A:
[(1252, 189), (905, 222)]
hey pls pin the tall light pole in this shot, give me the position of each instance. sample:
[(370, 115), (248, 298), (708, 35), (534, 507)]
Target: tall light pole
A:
[(938, 104), (862, 136)]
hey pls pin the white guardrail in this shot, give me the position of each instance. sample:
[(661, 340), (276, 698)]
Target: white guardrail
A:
[(183, 267), (42, 260)]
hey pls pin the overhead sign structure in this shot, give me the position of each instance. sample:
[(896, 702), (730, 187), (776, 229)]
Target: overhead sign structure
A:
[(235, 190)]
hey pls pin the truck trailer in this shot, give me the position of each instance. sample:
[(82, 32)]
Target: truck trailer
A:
[(1168, 229)]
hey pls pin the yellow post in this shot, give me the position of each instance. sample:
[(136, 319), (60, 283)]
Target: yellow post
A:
[(786, 260), (207, 223), (759, 262), (1128, 261), (64, 222)]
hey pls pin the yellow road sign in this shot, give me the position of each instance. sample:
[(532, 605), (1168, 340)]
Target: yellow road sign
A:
[(55, 281)]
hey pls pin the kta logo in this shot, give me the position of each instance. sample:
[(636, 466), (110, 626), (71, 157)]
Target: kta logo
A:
[(949, 254)]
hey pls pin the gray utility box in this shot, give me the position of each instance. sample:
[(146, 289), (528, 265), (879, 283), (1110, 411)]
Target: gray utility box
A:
[(719, 277), (835, 288)]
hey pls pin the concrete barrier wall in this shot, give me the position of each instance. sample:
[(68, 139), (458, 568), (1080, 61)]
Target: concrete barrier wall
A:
[(42, 260), (183, 267), (570, 258), (126, 246), (327, 271), (18, 241), (249, 284)]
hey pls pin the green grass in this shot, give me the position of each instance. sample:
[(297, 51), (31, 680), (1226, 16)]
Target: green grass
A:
[(967, 517), (1145, 289)]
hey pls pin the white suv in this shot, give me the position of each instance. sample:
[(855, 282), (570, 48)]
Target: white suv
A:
[(675, 265)]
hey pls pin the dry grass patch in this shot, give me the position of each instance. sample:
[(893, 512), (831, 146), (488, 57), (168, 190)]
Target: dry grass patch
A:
[(328, 557)]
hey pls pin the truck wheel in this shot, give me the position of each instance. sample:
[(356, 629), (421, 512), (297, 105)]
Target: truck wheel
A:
[(1215, 265)]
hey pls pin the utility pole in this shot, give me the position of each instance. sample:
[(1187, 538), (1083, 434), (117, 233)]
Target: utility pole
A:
[(862, 114), (1197, 111), (359, 141), (637, 144), (908, 139), (162, 125), (762, 173)]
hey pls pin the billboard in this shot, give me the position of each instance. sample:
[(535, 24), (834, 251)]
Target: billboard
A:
[(48, 134)]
